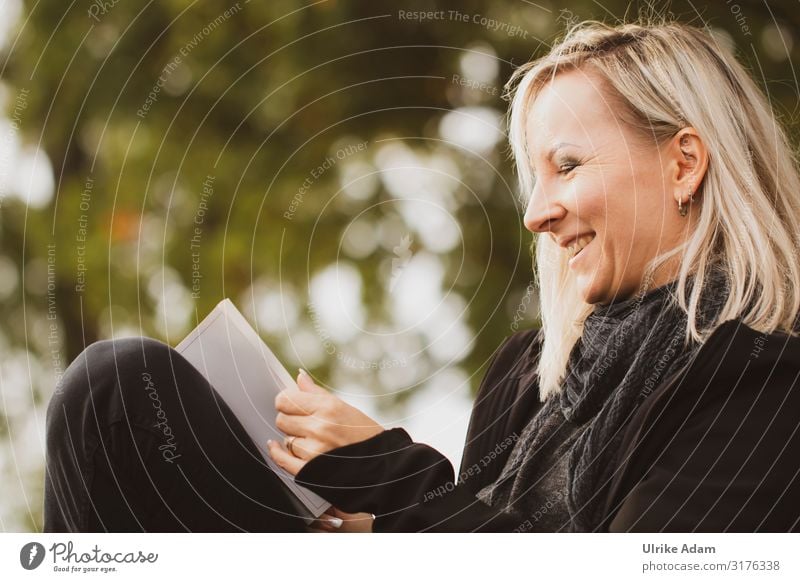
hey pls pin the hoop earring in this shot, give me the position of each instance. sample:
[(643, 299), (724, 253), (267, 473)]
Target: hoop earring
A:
[(684, 210)]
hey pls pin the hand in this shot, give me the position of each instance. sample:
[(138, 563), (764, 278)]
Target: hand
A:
[(316, 421), (347, 522)]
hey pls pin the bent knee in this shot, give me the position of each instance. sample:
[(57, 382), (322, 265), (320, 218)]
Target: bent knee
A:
[(100, 366), (99, 387), (123, 353)]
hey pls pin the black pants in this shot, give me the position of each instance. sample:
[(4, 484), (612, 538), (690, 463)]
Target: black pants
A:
[(137, 440)]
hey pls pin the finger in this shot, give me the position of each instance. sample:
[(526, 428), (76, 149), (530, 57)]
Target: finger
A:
[(309, 427), (320, 525), (304, 429), (327, 522), (306, 383), (289, 463), (297, 450), (306, 448), (336, 512), (293, 424), (291, 401), (333, 522)]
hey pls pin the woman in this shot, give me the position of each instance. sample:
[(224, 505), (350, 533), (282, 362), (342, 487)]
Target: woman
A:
[(667, 209), (660, 393)]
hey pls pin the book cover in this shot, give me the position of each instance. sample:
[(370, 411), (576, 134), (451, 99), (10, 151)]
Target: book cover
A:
[(242, 369)]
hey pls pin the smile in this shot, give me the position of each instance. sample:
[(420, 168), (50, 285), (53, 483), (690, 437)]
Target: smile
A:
[(579, 244)]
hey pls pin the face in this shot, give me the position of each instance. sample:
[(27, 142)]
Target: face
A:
[(602, 193)]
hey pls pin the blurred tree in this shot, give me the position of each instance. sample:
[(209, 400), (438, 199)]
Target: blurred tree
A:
[(245, 149)]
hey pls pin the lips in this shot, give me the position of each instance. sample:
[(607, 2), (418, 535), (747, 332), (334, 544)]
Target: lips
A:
[(579, 244)]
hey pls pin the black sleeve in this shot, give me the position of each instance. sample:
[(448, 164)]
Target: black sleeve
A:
[(408, 486)]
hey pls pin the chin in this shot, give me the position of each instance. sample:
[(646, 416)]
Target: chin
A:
[(592, 291)]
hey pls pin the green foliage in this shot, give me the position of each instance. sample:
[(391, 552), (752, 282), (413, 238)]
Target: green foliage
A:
[(257, 100)]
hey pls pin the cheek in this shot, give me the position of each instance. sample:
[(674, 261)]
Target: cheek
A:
[(606, 211), (590, 205), (627, 221), (613, 213), (616, 212)]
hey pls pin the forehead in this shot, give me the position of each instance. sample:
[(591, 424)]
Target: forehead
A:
[(572, 107)]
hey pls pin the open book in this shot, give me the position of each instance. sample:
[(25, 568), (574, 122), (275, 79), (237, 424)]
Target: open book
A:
[(247, 375)]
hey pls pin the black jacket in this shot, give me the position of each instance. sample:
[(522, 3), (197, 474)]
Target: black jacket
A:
[(714, 448)]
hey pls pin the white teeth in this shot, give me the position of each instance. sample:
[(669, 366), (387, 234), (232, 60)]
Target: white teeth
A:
[(580, 244)]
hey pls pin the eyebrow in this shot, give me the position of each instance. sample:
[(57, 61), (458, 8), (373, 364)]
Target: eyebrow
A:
[(558, 146)]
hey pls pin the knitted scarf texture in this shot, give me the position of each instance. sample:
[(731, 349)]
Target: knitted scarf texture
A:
[(626, 351)]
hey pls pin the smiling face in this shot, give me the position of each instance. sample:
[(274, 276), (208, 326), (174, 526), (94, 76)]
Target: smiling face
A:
[(604, 193)]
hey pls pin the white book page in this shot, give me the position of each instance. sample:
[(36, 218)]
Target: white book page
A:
[(247, 375)]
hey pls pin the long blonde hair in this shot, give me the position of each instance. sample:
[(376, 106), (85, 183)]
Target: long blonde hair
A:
[(669, 76)]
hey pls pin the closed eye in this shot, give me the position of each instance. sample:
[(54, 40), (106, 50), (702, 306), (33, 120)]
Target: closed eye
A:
[(567, 166)]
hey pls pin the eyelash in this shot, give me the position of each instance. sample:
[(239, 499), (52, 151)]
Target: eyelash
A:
[(567, 167)]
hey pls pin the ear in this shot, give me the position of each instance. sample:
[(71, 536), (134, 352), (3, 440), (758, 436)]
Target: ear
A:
[(687, 158)]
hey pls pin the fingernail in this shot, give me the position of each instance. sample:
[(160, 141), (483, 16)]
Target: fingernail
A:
[(335, 522), (303, 372), (269, 442)]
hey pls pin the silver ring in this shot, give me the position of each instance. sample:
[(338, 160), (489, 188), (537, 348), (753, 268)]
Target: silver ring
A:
[(289, 443)]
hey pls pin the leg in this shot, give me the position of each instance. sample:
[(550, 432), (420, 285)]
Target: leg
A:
[(137, 440)]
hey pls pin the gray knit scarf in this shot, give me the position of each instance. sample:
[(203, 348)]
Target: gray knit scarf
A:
[(625, 352)]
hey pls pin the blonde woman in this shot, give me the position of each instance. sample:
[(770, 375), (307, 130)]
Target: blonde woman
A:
[(660, 394), (662, 391)]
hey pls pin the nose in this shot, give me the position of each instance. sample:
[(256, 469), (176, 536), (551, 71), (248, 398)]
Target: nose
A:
[(543, 211)]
